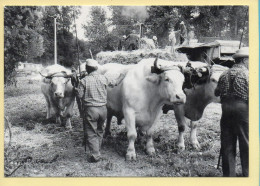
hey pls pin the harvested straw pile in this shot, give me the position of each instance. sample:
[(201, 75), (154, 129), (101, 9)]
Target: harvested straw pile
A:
[(133, 57), (146, 43)]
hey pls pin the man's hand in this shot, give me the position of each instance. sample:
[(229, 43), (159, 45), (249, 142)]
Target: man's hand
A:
[(76, 91), (111, 85)]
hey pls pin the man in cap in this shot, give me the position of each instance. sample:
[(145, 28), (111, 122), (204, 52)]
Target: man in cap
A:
[(93, 92), (233, 91)]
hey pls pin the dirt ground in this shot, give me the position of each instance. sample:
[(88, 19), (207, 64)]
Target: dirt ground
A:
[(39, 148)]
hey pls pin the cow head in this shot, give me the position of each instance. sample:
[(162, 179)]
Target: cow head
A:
[(58, 82), (195, 75), (170, 81), (205, 85)]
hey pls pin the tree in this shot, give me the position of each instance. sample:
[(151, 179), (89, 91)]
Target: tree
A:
[(22, 26), (126, 20), (161, 19), (224, 22), (66, 46), (97, 29)]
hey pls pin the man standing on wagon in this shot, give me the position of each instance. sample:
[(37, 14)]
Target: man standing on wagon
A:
[(233, 91)]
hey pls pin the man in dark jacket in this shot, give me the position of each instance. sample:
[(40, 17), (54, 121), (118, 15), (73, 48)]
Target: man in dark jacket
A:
[(233, 91)]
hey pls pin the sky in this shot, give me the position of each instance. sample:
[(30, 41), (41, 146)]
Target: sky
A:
[(85, 17)]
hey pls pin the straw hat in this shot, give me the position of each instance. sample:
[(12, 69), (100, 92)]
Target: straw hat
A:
[(154, 38), (242, 52), (182, 23)]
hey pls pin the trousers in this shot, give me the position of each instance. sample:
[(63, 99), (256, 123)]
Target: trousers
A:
[(234, 126), (93, 120)]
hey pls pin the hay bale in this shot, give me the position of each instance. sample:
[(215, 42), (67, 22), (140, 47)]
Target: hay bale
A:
[(133, 57), (146, 43)]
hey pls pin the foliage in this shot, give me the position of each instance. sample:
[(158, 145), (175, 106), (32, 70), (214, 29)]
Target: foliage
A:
[(161, 19), (22, 40), (96, 30), (66, 44), (125, 20), (225, 22)]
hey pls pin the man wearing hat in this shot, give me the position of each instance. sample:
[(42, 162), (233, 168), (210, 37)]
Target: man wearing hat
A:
[(233, 91), (93, 92)]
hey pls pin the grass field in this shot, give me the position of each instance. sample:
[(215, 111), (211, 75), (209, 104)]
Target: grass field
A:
[(39, 148)]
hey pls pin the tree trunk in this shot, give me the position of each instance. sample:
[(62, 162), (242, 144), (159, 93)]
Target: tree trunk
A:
[(236, 29)]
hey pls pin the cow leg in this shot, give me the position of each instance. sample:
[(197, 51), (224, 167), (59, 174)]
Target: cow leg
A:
[(108, 125), (58, 119), (179, 114), (193, 136), (149, 144), (131, 133), (68, 122), (48, 108), (68, 114)]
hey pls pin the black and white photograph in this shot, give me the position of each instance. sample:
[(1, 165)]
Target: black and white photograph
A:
[(126, 91)]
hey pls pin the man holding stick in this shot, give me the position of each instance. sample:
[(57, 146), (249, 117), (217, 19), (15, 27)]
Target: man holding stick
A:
[(92, 91)]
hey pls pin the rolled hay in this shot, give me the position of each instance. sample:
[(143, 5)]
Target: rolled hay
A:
[(133, 57)]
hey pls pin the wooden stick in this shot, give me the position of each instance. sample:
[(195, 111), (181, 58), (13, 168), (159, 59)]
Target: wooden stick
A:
[(91, 53)]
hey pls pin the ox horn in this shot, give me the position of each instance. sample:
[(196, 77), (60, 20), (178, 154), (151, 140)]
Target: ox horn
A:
[(64, 74), (155, 63), (155, 68), (45, 76)]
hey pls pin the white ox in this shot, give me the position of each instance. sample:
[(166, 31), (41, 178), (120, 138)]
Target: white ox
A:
[(140, 97), (198, 97), (58, 92)]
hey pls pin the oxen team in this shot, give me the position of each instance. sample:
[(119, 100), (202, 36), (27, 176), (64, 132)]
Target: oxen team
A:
[(148, 87)]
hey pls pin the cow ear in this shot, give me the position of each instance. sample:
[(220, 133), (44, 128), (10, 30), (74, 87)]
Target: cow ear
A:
[(154, 79)]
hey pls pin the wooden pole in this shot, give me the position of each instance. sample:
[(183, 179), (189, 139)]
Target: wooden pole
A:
[(91, 53), (55, 42), (77, 41)]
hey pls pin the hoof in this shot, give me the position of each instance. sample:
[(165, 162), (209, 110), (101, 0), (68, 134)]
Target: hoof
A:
[(130, 157), (151, 152), (196, 145), (181, 147), (68, 127)]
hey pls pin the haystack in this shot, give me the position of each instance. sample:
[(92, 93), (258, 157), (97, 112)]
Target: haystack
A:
[(146, 43), (133, 57)]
